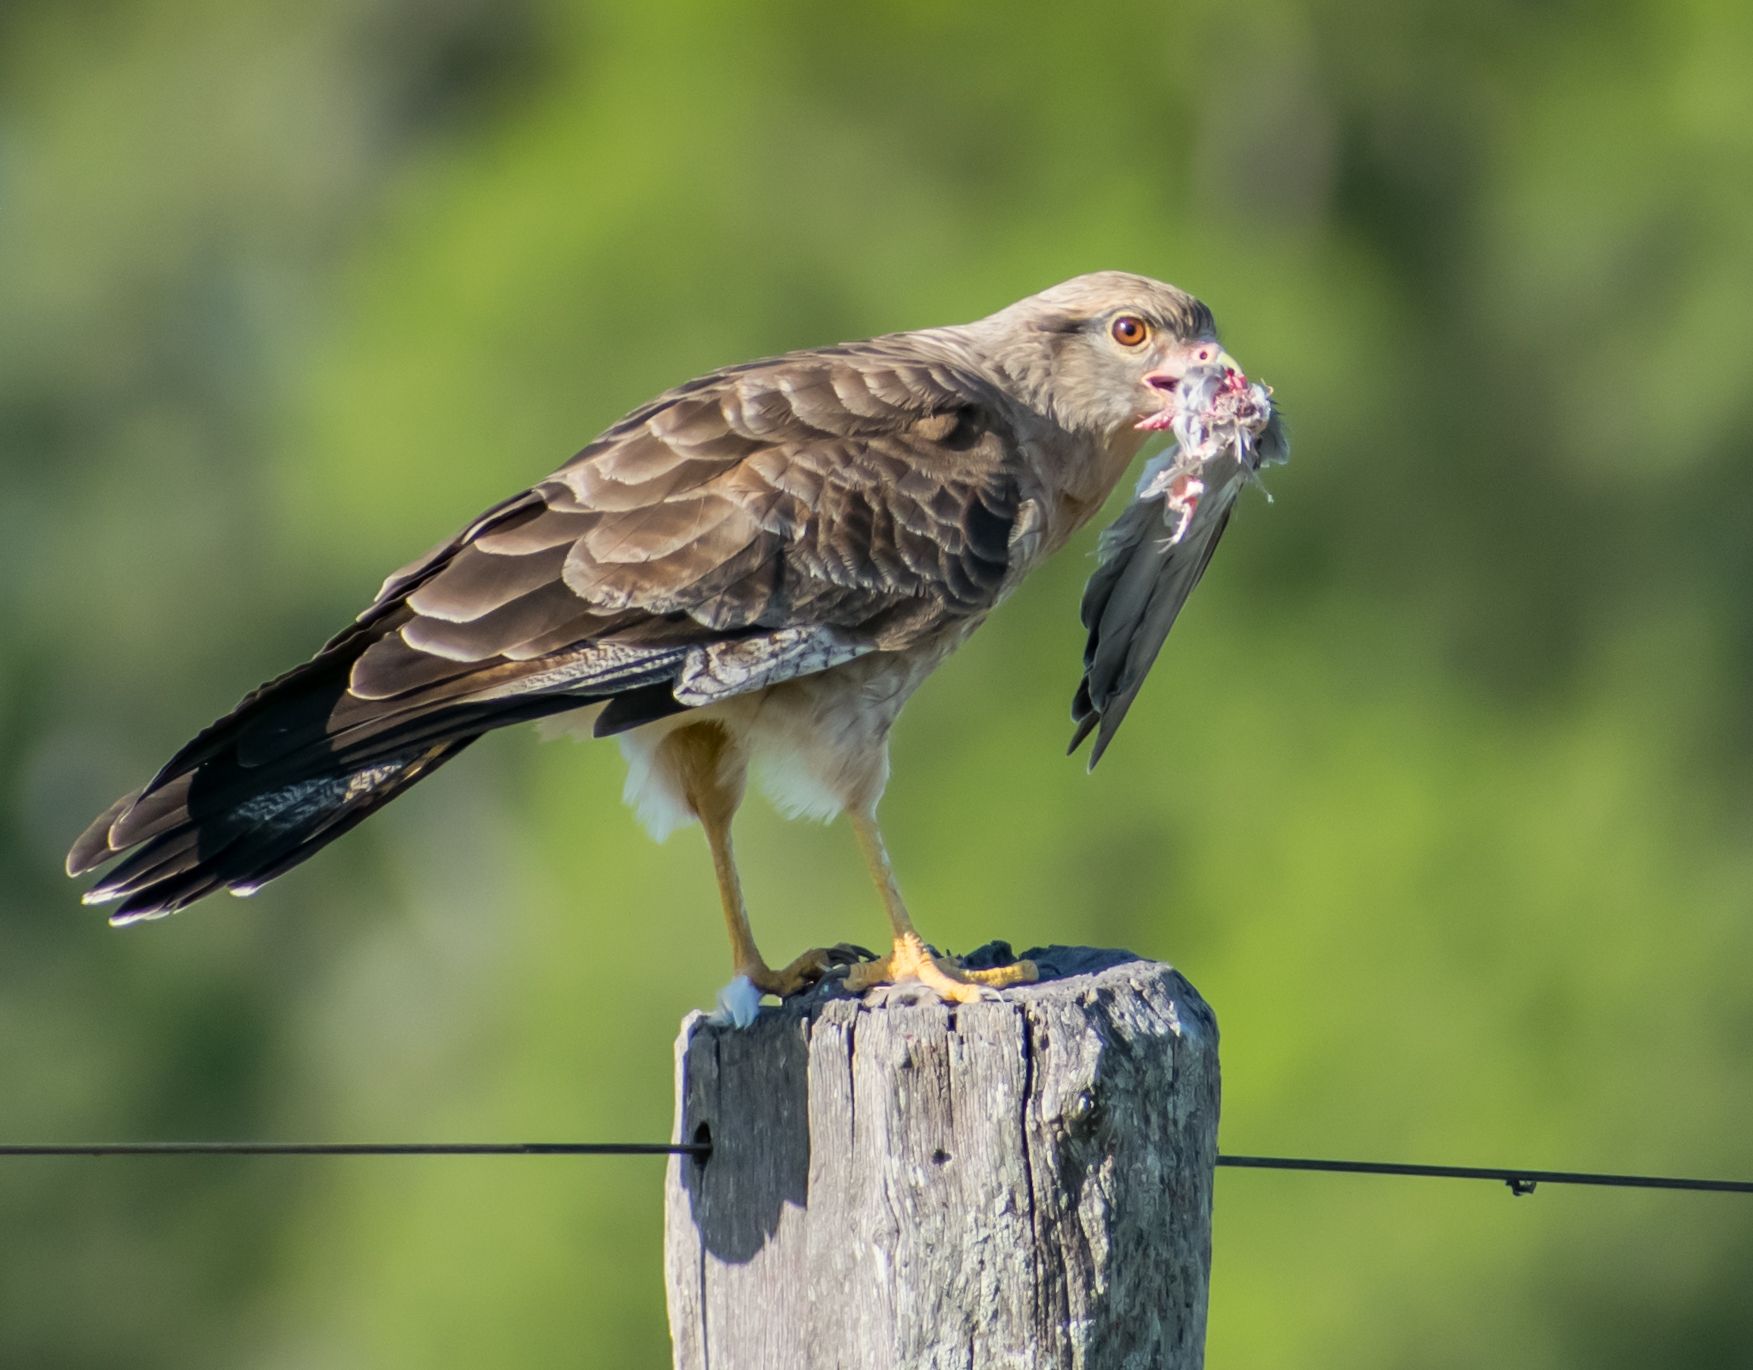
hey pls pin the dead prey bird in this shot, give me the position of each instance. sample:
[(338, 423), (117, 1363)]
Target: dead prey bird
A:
[(756, 569), (1153, 555)]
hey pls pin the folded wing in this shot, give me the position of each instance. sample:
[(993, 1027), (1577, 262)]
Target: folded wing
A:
[(767, 521)]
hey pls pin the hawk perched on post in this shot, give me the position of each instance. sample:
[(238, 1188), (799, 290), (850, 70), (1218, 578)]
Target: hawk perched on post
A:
[(760, 564)]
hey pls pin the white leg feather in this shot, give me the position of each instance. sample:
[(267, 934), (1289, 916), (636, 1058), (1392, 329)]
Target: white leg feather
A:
[(738, 1003)]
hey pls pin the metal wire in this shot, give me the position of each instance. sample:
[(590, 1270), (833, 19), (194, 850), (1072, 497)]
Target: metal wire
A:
[(1519, 1181)]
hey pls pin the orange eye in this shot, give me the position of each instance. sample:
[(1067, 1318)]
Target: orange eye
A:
[(1129, 330)]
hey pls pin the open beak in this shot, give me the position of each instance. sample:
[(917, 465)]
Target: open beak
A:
[(1189, 355), (1166, 378)]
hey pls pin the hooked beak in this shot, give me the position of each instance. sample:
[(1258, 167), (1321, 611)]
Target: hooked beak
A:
[(1165, 378), (1185, 358)]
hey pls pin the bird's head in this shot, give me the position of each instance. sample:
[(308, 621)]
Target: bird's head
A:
[(1104, 353)]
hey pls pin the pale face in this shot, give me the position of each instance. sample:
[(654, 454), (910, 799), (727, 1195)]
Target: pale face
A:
[(1133, 360), (1105, 352)]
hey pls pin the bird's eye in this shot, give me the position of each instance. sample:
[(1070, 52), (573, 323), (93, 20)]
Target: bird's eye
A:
[(1129, 330)]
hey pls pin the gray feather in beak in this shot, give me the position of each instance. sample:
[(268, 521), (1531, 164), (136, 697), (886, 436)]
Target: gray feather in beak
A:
[(1151, 557)]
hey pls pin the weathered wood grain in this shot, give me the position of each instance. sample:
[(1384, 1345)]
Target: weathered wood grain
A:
[(1020, 1183)]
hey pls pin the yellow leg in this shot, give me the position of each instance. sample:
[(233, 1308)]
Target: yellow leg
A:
[(910, 958), (746, 960), (713, 782)]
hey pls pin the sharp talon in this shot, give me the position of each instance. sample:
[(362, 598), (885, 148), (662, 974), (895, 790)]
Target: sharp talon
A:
[(804, 973), (912, 961)]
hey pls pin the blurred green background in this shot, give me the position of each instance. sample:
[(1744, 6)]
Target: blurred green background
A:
[(1440, 793)]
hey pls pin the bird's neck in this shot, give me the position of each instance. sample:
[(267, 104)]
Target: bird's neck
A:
[(1085, 484), (1078, 465)]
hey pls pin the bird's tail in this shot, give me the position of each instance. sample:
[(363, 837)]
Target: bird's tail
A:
[(298, 762), (182, 845)]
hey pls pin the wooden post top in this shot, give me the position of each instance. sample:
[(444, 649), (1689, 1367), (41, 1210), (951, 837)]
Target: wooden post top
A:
[(897, 1181)]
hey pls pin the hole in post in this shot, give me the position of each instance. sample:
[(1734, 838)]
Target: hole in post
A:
[(702, 1137)]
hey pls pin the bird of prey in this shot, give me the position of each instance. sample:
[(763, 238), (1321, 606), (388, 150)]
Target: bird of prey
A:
[(758, 566)]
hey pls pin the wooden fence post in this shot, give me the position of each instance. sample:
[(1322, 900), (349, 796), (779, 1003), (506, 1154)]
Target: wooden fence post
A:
[(910, 1184)]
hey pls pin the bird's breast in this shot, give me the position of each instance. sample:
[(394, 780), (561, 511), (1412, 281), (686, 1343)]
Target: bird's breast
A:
[(819, 743)]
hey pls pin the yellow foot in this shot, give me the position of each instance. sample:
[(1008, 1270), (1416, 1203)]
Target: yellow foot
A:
[(739, 1001), (804, 971), (911, 959)]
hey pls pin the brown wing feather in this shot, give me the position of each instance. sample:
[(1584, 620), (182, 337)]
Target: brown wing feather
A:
[(770, 520), (826, 486)]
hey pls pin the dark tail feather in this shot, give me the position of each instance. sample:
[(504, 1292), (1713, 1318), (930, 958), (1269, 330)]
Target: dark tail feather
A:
[(225, 825), (242, 845), (92, 848), (304, 758)]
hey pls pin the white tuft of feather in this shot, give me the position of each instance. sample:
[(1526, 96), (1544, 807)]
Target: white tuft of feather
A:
[(652, 790), (738, 1002), (792, 783)]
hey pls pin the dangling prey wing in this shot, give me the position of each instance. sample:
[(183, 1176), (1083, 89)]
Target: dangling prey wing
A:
[(1144, 573)]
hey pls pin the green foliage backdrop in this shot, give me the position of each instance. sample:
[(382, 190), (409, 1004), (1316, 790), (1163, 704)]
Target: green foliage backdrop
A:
[(1440, 794)]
